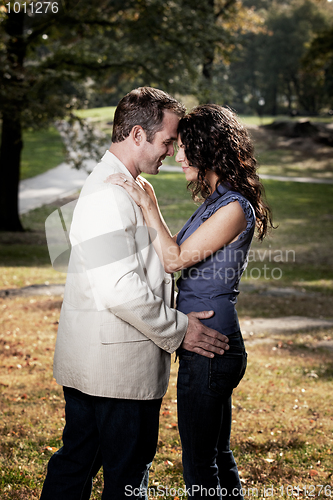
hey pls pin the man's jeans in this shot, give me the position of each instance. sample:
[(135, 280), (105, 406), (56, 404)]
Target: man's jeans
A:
[(117, 434), (204, 391)]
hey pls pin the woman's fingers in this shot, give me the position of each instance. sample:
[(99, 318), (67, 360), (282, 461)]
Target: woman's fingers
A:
[(118, 179), (133, 188)]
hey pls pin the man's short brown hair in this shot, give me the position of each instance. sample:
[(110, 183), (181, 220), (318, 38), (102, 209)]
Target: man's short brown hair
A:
[(143, 106)]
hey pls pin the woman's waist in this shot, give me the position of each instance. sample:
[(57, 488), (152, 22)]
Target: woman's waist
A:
[(209, 281), (208, 271), (224, 320), (198, 291)]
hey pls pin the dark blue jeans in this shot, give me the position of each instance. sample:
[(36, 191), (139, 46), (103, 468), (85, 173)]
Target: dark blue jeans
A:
[(117, 434), (204, 391)]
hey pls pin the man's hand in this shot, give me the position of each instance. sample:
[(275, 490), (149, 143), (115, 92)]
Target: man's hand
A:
[(201, 339)]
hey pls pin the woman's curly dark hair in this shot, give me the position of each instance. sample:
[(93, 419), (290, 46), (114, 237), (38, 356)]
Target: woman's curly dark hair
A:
[(214, 139)]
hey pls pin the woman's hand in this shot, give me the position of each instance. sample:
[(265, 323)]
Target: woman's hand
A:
[(136, 189)]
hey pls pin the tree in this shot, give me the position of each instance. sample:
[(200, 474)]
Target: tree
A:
[(46, 58), (317, 63), (269, 64), (228, 21)]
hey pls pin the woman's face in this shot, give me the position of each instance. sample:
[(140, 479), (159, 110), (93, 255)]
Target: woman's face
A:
[(191, 173)]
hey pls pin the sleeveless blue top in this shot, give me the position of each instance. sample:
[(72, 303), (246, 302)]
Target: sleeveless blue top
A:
[(212, 284)]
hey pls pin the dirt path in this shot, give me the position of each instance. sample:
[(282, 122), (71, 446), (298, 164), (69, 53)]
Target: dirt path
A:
[(255, 330)]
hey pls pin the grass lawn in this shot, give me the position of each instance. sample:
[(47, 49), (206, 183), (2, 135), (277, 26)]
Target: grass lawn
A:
[(43, 150), (297, 253), (282, 417)]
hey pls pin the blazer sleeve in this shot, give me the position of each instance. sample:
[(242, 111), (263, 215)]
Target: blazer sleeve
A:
[(105, 240)]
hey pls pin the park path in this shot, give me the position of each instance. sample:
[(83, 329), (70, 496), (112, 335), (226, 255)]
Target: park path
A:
[(254, 330), (63, 181)]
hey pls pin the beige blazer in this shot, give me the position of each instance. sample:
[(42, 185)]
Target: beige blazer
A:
[(117, 328)]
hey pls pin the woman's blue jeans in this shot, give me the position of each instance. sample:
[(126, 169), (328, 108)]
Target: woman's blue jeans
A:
[(204, 391), (117, 434)]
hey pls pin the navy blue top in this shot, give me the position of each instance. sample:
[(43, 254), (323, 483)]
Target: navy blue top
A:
[(212, 284)]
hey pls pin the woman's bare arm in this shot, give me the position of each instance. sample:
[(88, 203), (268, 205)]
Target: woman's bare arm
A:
[(219, 230)]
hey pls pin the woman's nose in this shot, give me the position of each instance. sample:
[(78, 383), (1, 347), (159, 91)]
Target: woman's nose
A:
[(178, 156)]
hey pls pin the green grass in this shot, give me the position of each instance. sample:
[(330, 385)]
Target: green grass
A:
[(97, 114), (106, 113), (43, 150), (101, 117), (267, 119), (298, 253)]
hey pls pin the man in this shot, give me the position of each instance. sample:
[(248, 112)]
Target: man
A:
[(117, 327)]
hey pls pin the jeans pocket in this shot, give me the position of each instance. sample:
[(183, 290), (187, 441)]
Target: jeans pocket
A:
[(184, 354), (226, 372)]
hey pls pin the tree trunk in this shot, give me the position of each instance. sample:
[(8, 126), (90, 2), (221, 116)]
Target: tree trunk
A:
[(11, 135), (10, 158), (207, 73), (205, 87)]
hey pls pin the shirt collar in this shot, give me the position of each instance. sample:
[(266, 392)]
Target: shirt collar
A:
[(219, 191), (111, 159)]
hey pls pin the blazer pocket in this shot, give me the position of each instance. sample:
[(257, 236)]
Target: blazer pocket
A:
[(120, 332)]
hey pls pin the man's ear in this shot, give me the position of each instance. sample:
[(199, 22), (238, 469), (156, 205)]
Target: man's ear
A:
[(138, 135)]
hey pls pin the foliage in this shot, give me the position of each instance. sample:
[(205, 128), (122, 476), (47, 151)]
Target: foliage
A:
[(318, 62), (237, 52), (269, 64), (52, 61), (82, 140)]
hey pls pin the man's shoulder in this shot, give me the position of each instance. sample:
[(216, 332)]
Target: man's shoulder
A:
[(103, 199)]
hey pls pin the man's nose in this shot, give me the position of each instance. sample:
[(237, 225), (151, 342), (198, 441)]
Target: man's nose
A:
[(171, 150)]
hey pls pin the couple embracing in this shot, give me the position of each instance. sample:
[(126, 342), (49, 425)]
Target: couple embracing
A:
[(119, 324)]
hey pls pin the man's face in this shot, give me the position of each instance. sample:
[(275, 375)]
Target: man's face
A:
[(154, 152)]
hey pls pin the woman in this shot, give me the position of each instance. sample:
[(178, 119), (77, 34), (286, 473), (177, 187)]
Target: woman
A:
[(211, 251)]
